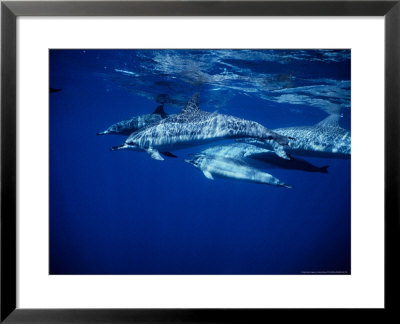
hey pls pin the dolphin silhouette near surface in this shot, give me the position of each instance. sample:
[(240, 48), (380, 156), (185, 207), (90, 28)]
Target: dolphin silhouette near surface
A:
[(326, 139), (192, 127), (127, 127)]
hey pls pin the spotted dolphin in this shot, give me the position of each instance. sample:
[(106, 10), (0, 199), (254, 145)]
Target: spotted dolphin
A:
[(127, 127), (225, 167), (192, 127), (325, 139), (261, 157)]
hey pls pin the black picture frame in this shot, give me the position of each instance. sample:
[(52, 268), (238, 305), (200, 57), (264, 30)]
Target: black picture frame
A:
[(10, 10)]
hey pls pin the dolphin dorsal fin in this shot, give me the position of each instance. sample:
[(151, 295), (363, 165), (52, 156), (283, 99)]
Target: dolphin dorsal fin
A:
[(160, 111), (192, 105), (330, 121)]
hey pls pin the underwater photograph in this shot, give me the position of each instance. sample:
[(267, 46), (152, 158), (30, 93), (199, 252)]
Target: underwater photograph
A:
[(200, 162)]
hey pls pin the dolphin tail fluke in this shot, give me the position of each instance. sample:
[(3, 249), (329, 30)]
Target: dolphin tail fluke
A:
[(324, 169), (288, 186)]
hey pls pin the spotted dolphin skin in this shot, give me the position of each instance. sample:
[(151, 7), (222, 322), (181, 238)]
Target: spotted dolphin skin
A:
[(325, 139), (127, 127), (224, 167), (192, 127), (262, 158)]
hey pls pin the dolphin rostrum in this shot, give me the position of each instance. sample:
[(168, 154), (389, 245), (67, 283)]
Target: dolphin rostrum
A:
[(192, 127), (127, 127), (325, 139), (224, 167), (262, 158)]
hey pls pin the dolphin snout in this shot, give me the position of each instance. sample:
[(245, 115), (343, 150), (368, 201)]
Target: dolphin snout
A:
[(191, 158)]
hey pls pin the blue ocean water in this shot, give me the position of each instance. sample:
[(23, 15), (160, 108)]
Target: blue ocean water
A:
[(125, 213)]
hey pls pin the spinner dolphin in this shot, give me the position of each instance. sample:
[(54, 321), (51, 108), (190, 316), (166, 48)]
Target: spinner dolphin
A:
[(225, 167), (325, 139), (127, 127), (261, 157), (192, 127)]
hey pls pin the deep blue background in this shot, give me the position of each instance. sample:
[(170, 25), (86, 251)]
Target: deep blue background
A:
[(125, 213)]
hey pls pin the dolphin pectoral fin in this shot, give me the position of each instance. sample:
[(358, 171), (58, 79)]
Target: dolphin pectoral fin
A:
[(281, 152), (169, 154), (154, 154), (208, 175)]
